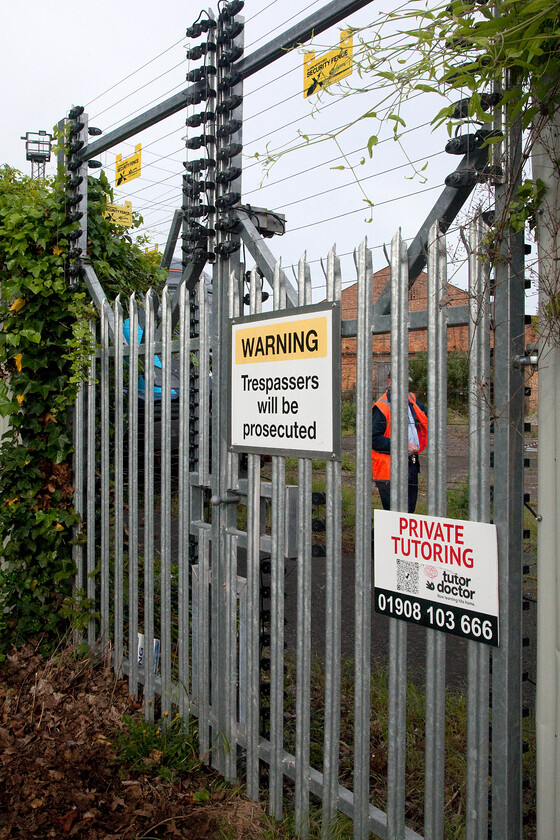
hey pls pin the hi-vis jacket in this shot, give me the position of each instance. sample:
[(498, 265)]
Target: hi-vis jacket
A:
[(381, 461)]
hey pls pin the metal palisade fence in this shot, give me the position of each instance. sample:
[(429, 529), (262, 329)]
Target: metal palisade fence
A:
[(187, 586)]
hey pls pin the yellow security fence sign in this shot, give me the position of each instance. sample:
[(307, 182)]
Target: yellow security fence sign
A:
[(330, 67), (118, 214), (128, 168)]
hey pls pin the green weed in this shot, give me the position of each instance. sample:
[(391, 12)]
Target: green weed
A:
[(167, 749)]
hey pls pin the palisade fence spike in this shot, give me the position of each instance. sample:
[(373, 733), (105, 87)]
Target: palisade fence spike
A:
[(333, 276), (278, 286)]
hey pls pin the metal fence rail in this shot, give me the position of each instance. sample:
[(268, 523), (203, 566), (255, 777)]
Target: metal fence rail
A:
[(178, 586)]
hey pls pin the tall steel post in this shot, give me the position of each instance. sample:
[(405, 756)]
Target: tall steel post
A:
[(508, 504), (229, 112), (546, 154)]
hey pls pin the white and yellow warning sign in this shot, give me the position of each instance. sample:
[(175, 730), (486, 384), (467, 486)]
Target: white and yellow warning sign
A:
[(285, 382), (128, 168), (329, 67), (119, 214)]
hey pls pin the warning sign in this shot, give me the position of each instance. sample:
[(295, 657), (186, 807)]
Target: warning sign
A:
[(118, 214), (329, 67), (128, 168), (285, 382), (441, 573)]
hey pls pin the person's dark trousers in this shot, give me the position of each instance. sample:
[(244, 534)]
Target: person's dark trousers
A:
[(384, 487)]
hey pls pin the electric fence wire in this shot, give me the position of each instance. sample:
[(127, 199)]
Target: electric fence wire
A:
[(138, 89), (327, 162), (180, 150), (348, 212), (141, 109), (280, 25), (361, 209), (181, 128), (133, 72), (354, 182), (387, 171), (300, 200)]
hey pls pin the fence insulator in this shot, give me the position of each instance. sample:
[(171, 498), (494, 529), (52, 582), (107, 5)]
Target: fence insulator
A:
[(200, 141), (230, 127), (465, 178), (199, 164), (462, 145), (74, 234), (201, 49), (74, 182), (228, 175), (195, 97), (229, 56), (225, 201), (199, 119), (224, 249), (230, 80), (229, 104), (195, 190), (94, 132), (229, 224), (199, 210), (197, 233), (200, 28), (318, 498), (200, 74), (227, 152), (77, 111), (229, 10), (94, 164), (230, 32)]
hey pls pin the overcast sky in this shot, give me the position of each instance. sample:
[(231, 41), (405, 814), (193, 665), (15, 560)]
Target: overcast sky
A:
[(105, 56)]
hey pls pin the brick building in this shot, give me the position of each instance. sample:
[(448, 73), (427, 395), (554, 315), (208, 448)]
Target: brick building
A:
[(457, 336)]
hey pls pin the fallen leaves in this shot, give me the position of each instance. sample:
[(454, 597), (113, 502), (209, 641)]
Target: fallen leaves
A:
[(59, 776)]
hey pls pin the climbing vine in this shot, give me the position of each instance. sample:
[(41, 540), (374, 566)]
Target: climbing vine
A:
[(475, 56), (45, 344)]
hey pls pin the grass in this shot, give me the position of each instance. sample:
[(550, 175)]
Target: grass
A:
[(167, 749), (455, 748)]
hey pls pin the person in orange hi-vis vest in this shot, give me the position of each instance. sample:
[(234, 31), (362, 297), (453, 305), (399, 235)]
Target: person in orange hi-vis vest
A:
[(381, 445)]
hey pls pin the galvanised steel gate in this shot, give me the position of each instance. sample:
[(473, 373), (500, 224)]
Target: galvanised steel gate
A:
[(187, 545)]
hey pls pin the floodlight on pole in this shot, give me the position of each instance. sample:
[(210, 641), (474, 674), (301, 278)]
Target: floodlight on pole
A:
[(38, 151)]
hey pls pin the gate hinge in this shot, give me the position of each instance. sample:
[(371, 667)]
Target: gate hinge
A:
[(530, 359), (230, 498)]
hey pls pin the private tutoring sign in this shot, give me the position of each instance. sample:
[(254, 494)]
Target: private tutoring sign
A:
[(441, 573), (283, 384)]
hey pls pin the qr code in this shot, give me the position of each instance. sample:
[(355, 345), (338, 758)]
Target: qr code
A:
[(407, 576)]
